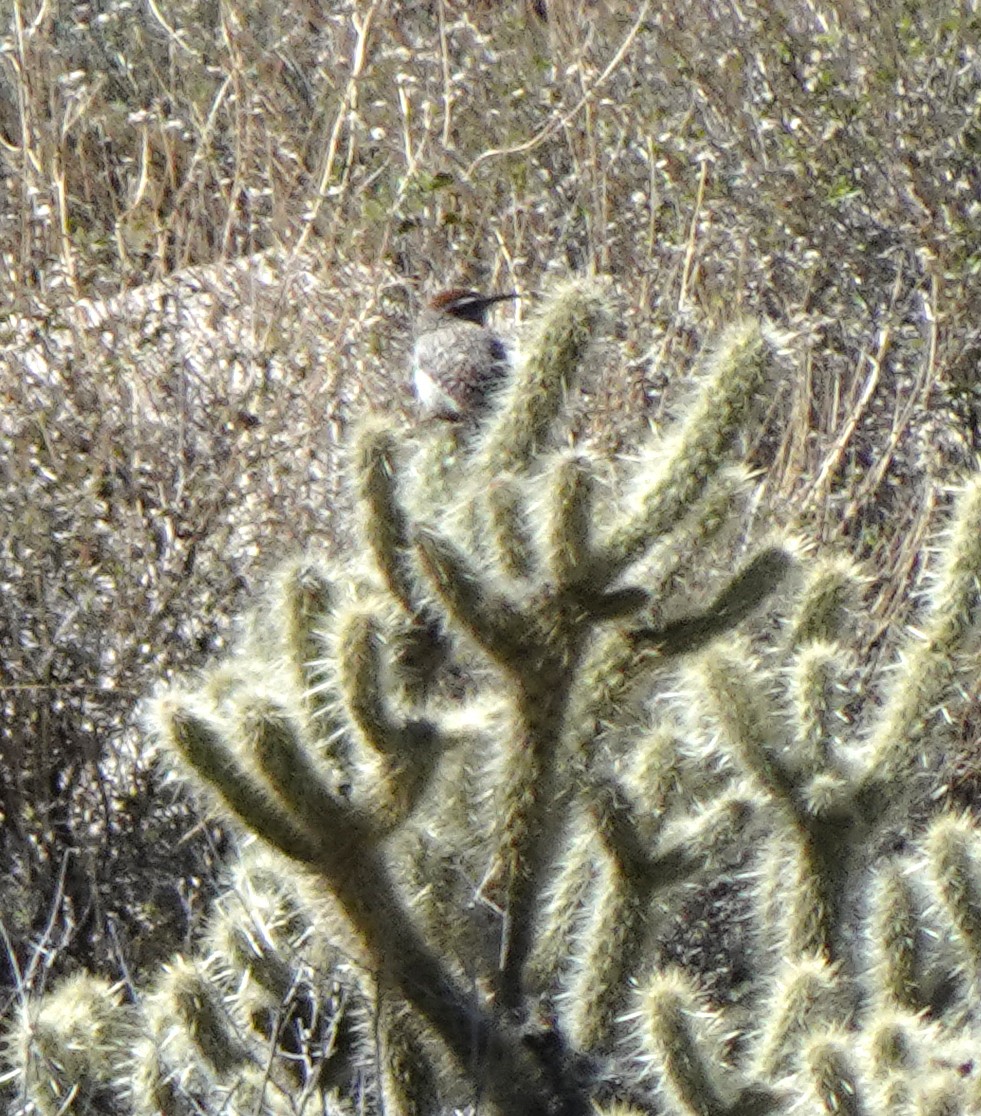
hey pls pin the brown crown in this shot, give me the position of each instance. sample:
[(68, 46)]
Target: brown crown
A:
[(469, 305)]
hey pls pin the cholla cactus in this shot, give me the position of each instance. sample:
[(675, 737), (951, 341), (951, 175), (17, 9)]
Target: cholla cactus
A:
[(73, 1046), (494, 760)]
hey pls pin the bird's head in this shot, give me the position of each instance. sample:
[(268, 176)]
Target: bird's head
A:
[(467, 305)]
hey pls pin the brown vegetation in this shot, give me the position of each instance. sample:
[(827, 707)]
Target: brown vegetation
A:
[(216, 220)]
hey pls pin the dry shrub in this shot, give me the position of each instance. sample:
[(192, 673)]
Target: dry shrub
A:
[(169, 433)]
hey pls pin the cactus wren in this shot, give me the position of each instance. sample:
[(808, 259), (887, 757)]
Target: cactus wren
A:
[(457, 361)]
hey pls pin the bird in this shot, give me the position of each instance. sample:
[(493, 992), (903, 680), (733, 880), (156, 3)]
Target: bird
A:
[(457, 361)]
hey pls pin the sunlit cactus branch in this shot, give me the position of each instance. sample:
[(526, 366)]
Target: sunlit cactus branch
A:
[(563, 790)]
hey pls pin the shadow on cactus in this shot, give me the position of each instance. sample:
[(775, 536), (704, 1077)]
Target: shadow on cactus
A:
[(493, 757)]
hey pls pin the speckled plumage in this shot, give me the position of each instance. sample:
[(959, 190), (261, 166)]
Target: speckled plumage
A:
[(457, 362)]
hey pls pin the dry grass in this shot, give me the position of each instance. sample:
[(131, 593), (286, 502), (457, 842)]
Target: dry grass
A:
[(168, 434)]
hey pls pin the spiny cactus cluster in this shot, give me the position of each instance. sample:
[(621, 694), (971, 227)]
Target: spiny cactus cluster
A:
[(535, 814)]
